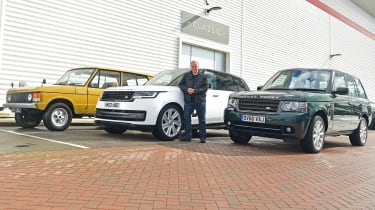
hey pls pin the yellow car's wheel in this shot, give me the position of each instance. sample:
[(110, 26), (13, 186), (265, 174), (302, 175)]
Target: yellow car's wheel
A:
[(58, 117), (27, 120)]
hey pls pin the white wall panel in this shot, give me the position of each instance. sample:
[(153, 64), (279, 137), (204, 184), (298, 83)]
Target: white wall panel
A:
[(2, 90), (42, 39), (51, 36), (270, 39), (231, 15), (357, 54)]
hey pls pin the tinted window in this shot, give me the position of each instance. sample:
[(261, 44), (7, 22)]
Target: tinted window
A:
[(105, 79), (141, 80), (75, 77), (361, 90), (225, 82), (166, 78), (300, 79), (240, 84), (212, 80), (339, 80), (130, 79), (352, 86), (229, 83)]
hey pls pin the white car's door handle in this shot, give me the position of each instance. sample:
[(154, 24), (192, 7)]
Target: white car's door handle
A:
[(215, 95)]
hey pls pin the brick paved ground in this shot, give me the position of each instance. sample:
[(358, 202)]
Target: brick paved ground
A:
[(190, 176)]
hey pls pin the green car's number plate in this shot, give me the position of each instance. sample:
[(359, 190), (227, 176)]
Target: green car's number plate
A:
[(253, 118)]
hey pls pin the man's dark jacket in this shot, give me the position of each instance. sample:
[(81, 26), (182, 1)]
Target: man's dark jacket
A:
[(199, 84)]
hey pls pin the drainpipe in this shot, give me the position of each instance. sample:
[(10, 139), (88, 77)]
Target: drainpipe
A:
[(242, 37)]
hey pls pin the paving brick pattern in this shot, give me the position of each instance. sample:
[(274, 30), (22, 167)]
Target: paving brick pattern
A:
[(217, 175)]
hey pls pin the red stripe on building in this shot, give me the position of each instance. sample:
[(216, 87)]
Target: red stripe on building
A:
[(341, 17)]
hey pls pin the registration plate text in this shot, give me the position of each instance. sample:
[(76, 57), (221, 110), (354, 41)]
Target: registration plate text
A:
[(253, 118), (112, 105)]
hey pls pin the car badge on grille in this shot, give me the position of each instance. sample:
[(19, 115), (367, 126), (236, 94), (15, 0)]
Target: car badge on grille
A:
[(251, 96), (268, 108), (126, 97), (269, 97)]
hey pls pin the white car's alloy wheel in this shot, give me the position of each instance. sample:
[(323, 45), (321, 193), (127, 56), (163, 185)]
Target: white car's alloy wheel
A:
[(169, 123)]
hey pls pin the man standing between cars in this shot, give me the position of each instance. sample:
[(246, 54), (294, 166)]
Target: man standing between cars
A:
[(194, 85)]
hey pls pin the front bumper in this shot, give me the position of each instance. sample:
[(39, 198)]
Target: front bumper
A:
[(287, 126), (142, 112), (110, 123), (20, 106)]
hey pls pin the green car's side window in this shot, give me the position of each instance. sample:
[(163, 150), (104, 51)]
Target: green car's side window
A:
[(352, 86), (361, 90)]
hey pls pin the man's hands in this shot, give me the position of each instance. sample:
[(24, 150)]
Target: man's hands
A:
[(190, 91)]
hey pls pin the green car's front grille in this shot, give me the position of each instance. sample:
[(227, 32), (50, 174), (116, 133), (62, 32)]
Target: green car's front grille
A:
[(246, 104)]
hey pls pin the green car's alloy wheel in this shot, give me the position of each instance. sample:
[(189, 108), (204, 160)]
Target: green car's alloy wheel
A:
[(359, 137), (314, 139)]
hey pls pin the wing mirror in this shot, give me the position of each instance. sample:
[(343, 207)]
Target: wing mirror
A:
[(341, 91), (260, 87)]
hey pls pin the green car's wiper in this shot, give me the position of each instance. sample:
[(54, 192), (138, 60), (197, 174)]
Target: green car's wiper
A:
[(307, 89)]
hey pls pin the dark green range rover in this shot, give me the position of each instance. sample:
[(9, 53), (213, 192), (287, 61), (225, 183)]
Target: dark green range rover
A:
[(301, 105)]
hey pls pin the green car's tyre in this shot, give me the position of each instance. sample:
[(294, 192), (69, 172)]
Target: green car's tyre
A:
[(314, 139)]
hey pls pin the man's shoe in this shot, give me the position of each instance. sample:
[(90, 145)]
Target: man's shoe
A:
[(202, 141)]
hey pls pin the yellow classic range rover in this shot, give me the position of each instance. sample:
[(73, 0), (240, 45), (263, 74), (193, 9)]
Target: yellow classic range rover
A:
[(74, 95)]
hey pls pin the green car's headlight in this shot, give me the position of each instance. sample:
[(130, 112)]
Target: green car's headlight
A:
[(233, 103), (293, 106)]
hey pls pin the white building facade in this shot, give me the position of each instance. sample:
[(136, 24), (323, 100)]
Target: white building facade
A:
[(41, 39)]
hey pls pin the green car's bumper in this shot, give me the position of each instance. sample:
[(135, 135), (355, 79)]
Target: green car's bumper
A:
[(289, 126)]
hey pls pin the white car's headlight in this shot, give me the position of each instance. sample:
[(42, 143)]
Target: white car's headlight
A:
[(145, 94), (293, 106), (233, 103)]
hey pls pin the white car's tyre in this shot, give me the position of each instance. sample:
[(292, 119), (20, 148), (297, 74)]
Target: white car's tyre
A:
[(169, 123), (115, 130)]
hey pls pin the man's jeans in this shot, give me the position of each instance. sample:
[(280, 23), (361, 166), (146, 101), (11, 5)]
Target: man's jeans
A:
[(201, 111)]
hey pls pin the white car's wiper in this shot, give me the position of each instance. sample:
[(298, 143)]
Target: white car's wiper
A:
[(276, 89)]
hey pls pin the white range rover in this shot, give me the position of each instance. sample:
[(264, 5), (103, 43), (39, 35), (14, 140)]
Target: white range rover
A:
[(158, 105)]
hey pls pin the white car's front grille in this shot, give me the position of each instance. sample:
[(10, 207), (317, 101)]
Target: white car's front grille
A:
[(121, 96), (123, 115)]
